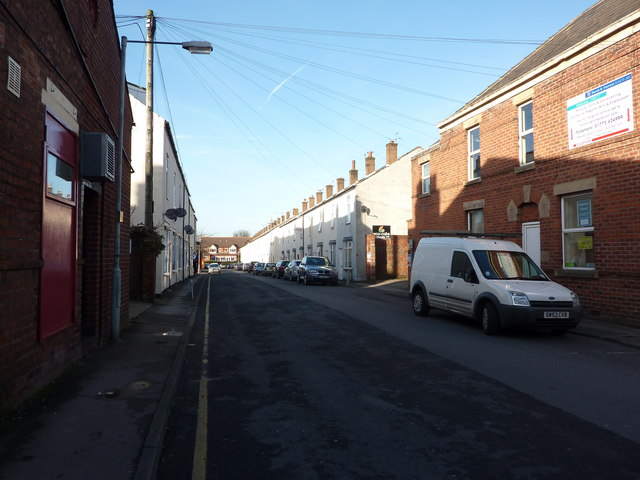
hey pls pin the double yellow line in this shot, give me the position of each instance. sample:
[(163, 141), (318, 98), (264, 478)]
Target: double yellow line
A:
[(199, 471)]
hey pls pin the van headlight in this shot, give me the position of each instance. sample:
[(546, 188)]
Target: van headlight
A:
[(520, 299), (574, 299)]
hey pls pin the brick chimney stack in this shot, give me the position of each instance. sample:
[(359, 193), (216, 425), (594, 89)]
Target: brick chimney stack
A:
[(353, 173), (318, 197), (312, 201), (339, 184), (392, 152), (304, 205), (287, 215), (296, 212), (369, 163), (329, 191)]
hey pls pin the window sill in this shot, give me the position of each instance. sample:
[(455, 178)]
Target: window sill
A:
[(569, 272), (524, 168), (423, 195), (473, 182)]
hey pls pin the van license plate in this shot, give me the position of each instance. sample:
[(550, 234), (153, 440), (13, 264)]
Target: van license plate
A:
[(556, 314)]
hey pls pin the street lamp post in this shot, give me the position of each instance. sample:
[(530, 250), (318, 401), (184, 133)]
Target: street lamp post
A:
[(194, 47)]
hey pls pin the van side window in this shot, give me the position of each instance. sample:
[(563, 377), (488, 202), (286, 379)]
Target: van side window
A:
[(461, 267)]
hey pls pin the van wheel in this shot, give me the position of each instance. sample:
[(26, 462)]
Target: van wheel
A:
[(420, 303), (490, 320)]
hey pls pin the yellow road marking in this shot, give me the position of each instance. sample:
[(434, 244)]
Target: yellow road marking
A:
[(199, 471)]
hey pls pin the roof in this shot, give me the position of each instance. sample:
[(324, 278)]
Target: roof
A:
[(593, 20), (224, 242)]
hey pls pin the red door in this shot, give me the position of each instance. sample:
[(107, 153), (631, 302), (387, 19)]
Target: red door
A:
[(57, 280)]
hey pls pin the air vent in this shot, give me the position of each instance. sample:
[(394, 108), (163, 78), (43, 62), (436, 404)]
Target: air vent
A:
[(97, 156), (14, 76)]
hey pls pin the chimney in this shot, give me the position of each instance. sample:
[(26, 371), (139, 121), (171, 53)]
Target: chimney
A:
[(392, 152), (287, 215), (353, 173), (339, 184), (329, 191), (369, 164), (312, 201), (282, 219), (319, 197), (304, 205), (296, 212)]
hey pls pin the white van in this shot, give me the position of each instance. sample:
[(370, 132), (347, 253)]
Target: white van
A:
[(493, 281)]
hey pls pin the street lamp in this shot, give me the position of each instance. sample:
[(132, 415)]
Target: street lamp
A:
[(195, 47)]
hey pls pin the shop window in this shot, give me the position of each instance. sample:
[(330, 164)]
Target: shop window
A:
[(578, 232)]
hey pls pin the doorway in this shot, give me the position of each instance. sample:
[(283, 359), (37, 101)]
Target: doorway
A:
[(531, 240)]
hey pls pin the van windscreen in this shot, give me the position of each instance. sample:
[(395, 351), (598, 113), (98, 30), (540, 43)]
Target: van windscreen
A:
[(506, 265)]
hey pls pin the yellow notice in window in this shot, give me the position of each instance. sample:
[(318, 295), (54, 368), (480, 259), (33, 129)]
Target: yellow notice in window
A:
[(585, 243)]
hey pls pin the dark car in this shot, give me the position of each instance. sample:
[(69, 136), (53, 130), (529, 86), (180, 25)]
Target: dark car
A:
[(258, 268), (317, 269), (291, 270), (278, 272)]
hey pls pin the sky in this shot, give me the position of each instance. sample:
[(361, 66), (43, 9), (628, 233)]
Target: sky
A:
[(296, 90)]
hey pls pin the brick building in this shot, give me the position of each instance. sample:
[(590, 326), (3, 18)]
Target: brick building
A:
[(221, 249), (550, 154), (60, 112)]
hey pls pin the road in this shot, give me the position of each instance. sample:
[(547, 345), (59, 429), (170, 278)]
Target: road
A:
[(283, 381)]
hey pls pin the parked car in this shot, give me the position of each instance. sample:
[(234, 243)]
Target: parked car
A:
[(258, 268), (291, 270), (214, 268), (250, 266), (493, 281), (278, 271), (268, 269), (317, 269)]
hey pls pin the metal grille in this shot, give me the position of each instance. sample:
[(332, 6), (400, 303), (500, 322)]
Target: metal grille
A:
[(551, 304), (14, 75)]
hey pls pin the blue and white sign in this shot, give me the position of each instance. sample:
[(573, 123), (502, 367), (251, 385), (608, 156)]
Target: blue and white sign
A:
[(584, 213), (601, 113)]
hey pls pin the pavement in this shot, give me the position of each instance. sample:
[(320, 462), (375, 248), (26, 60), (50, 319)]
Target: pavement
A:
[(106, 417)]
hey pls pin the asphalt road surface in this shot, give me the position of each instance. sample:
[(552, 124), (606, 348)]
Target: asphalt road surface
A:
[(284, 381)]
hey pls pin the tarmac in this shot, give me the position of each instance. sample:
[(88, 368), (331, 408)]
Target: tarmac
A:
[(107, 416)]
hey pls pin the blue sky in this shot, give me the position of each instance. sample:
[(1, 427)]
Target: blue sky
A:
[(296, 90)]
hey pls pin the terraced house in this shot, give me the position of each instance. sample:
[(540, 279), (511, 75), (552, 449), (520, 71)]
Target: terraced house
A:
[(550, 153)]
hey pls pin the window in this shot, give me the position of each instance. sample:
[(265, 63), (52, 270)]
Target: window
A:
[(332, 253), (475, 221), (426, 177), (320, 254), (348, 248), (59, 178), (525, 126), (348, 210), (461, 267), (577, 231), (474, 153)]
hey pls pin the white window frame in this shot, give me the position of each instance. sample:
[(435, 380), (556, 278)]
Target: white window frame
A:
[(426, 179), (348, 251), (473, 153), (525, 133), (573, 230)]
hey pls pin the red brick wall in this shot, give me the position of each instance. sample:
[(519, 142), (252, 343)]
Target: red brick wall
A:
[(614, 163), (395, 263), (37, 36)]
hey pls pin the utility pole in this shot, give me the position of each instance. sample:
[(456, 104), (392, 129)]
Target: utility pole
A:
[(148, 166)]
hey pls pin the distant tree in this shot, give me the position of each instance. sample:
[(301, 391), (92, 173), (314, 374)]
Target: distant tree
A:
[(241, 233)]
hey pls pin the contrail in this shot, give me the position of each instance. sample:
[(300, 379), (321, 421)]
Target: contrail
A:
[(280, 85)]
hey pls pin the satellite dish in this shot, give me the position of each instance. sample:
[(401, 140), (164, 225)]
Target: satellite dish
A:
[(188, 229), (171, 214), (365, 209), (180, 212)]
